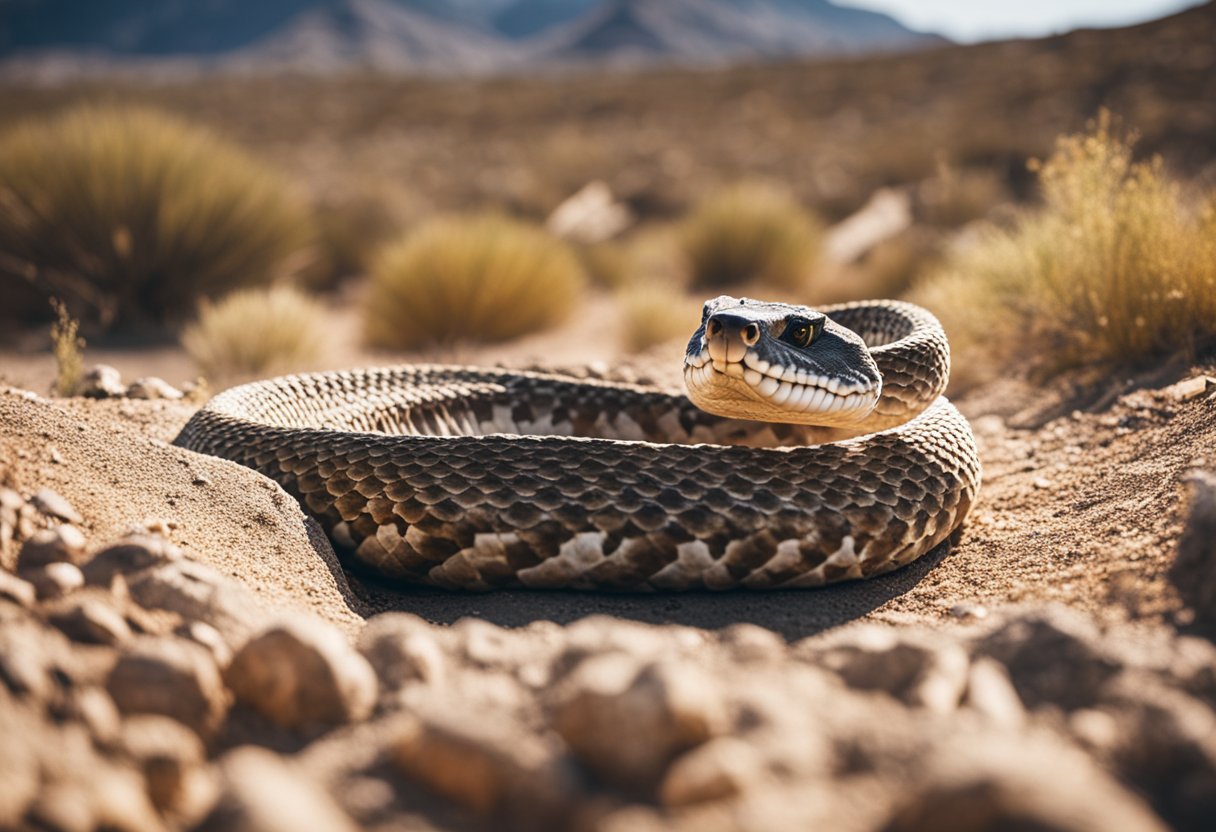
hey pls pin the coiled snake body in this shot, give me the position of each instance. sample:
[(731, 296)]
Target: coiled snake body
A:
[(471, 478)]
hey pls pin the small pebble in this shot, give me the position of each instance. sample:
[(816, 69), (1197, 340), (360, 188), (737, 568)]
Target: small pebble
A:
[(52, 504)]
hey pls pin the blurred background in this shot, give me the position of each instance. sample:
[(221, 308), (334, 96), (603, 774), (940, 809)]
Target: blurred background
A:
[(230, 189)]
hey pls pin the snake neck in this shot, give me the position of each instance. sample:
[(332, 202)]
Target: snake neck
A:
[(910, 348)]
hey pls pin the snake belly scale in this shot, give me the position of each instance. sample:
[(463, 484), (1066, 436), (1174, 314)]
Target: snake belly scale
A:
[(469, 478)]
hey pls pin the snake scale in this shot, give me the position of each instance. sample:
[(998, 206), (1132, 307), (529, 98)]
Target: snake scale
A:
[(471, 478)]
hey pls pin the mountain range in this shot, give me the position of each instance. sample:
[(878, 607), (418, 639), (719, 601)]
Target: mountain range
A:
[(435, 36)]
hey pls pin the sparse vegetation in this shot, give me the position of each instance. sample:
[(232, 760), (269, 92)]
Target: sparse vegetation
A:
[(349, 232), (750, 233), (654, 313), (606, 264), (130, 216), (482, 278), (66, 346), (255, 332), (1113, 268)]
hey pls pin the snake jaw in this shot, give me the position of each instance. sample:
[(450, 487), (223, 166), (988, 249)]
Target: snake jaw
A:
[(739, 391)]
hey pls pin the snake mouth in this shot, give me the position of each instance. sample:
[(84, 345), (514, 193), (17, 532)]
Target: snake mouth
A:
[(727, 387)]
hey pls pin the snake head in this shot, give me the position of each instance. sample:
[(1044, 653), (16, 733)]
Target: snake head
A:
[(777, 362)]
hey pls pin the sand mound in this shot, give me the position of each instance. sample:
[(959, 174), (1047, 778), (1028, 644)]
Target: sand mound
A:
[(220, 514)]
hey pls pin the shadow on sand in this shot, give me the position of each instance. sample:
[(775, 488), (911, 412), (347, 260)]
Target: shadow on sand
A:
[(794, 614)]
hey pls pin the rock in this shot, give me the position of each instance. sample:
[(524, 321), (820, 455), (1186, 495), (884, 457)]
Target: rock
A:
[(11, 504), (102, 382), (55, 580), (721, 768), (131, 554), (989, 692), (32, 657), (1027, 784), (52, 505), (1194, 568), (198, 593), (976, 612), (16, 590), (591, 215), (626, 721), (491, 767), (1163, 744), (171, 757), (1191, 388), (401, 649), (20, 779), (303, 672), (97, 712), (913, 670), (171, 677), (1053, 656), (747, 642), (263, 793), (62, 543), (152, 387), (204, 634), (89, 619)]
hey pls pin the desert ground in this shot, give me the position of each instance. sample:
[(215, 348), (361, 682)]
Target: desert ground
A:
[(181, 647)]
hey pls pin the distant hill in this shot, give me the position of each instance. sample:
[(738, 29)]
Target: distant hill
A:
[(709, 31), (432, 36)]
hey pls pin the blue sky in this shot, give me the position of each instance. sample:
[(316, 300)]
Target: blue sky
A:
[(972, 20)]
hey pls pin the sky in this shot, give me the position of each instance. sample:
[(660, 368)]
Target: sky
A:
[(973, 20)]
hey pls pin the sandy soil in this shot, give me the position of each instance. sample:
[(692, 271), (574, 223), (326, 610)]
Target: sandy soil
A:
[(1077, 507)]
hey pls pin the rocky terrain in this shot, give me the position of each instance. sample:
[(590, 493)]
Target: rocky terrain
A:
[(179, 649)]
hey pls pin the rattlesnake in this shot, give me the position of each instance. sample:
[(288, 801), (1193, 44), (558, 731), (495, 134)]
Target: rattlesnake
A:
[(471, 478)]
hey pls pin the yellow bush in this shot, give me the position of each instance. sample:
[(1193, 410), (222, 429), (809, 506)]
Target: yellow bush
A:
[(1113, 268), (130, 216), (750, 232), (654, 313), (477, 279), (255, 332)]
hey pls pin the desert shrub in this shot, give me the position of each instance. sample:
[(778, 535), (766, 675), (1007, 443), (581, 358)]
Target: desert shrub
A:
[(1112, 268), (67, 346), (750, 232), (253, 332), (606, 264), (955, 196), (350, 231), (482, 278), (130, 215), (653, 313)]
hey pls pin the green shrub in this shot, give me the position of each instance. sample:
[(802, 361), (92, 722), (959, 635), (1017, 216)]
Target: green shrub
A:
[(747, 233), (255, 332), (130, 216), (477, 279), (1113, 268)]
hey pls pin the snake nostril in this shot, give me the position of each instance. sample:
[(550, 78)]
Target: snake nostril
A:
[(750, 334), (713, 328)]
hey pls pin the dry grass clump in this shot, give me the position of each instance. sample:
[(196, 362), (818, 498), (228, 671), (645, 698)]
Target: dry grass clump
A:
[(67, 347), (130, 215), (1113, 268), (483, 278), (750, 233), (655, 313), (349, 232), (606, 264), (255, 332)]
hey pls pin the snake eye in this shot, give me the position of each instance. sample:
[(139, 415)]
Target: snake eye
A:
[(801, 332)]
